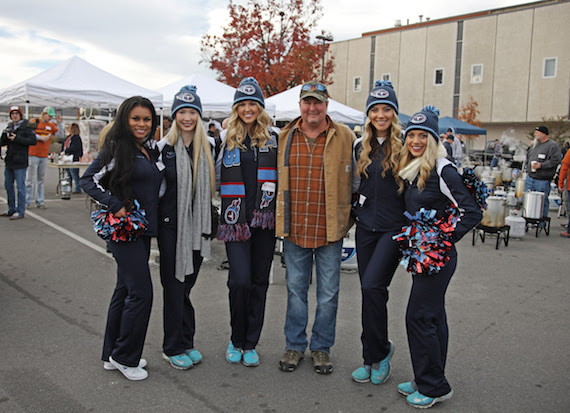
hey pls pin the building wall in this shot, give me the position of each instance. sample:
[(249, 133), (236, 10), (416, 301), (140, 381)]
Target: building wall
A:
[(511, 45)]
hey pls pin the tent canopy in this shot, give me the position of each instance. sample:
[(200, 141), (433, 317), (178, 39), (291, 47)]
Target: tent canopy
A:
[(287, 108), (74, 84), (460, 127)]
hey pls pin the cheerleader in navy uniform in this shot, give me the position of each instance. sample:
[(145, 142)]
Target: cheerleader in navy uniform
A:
[(184, 223), (432, 183), (379, 216), (127, 170), (248, 179)]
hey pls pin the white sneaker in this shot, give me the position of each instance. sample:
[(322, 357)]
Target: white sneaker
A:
[(108, 366), (131, 373)]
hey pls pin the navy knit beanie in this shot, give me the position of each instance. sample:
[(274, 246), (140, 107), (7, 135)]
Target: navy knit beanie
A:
[(186, 98), (383, 92), (427, 119), (249, 89)]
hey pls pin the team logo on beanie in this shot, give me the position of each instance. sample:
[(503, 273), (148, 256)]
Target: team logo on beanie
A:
[(185, 97), (247, 89), (380, 93), (419, 118)]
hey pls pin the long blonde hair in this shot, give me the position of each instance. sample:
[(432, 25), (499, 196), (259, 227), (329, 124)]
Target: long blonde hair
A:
[(201, 146), (427, 162), (392, 149), (237, 132)]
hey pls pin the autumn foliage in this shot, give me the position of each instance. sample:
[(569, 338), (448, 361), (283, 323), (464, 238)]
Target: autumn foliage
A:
[(468, 113), (269, 40)]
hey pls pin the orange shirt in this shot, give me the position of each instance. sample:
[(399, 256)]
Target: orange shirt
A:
[(41, 149)]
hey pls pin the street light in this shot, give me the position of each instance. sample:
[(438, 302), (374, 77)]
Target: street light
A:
[(324, 38)]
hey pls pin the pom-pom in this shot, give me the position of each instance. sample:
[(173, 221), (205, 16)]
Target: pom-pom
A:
[(431, 108), (425, 243), (380, 83), (127, 228), (249, 79), (189, 88), (477, 187)]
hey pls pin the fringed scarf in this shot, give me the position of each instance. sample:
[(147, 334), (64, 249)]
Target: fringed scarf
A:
[(233, 225), (193, 209)]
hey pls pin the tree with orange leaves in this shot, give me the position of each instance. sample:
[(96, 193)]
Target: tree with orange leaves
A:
[(269, 40), (468, 112)]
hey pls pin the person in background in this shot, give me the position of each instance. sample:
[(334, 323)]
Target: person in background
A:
[(184, 224), (35, 177), (379, 216), (248, 183), (431, 182), (215, 139), (448, 145), (564, 186), (17, 137), (458, 150), (313, 216), (127, 170), (73, 146), (497, 154), (542, 160)]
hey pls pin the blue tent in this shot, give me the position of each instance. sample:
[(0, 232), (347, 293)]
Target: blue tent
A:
[(459, 127)]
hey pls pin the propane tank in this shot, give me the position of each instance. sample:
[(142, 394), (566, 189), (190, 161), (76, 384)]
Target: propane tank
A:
[(517, 224)]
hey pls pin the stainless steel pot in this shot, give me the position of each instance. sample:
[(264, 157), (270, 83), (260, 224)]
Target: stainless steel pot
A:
[(533, 203), (494, 215)]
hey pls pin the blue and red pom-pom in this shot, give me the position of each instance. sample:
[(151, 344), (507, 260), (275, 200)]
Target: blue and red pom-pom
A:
[(128, 228)]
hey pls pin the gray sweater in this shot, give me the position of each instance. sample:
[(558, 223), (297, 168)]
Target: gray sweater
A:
[(549, 156)]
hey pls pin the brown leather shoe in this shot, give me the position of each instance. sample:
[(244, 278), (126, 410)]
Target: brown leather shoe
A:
[(290, 360), (322, 362)]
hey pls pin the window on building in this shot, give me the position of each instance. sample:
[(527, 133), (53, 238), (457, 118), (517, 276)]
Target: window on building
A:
[(549, 67), (438, 79), (357, 86), (477, 73), (386, 76)]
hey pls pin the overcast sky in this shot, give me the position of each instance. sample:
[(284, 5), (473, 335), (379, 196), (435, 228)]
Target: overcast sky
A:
[(154, 43)]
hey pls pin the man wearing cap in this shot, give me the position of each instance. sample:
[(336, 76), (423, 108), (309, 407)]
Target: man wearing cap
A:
[(542, 160), (38, 158), (314, 164), (17, 137)]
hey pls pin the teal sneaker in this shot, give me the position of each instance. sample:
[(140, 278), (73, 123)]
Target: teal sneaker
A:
[(381, 371), (194, 355), (407, 388), (179, 362), (250, 358), (233, 355), (416, 399), (361, 374)]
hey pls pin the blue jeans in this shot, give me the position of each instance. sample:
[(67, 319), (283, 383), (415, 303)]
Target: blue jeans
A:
[(299, 262), (73, 174), (18, 176), (540, 185), (35, 180)]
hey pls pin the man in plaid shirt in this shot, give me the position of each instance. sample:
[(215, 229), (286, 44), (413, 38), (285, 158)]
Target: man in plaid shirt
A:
[(314, 164)]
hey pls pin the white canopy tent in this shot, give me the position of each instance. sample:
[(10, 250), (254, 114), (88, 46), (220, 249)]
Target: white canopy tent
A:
[(287, 108), (75, 83), (216, 97)]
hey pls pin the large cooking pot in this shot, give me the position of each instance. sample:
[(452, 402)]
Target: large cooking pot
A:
[(519, 187), (533, 204), (494, 215), (489, 182)]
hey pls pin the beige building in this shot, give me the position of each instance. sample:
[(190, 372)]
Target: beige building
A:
[(513, 61)]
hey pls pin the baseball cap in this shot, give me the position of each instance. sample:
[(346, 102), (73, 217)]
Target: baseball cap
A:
[(314, 89), (542, 129), (49, 110)]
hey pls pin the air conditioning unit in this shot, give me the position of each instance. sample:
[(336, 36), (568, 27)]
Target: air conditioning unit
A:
[(476, 79)]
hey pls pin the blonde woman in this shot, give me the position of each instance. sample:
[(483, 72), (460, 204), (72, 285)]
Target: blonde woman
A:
[(248, 180), (379, 212), (431, 182), (184, 223)]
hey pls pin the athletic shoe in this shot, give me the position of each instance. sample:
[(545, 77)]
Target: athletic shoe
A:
[(562, 234), (290, 360), (41, 206), (179, 362), (407, 388), (250, 358), (131, 373), (380, 375), (361, 374), (16, 216), (108, 366), (7, 214), (416, 399), (322, 362), (194, 355), (233, 355)]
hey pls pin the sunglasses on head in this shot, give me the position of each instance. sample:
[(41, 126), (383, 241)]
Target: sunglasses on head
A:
[(318, 86)]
